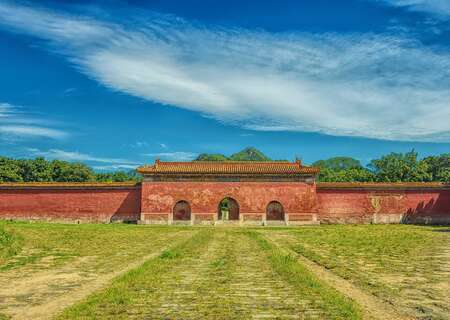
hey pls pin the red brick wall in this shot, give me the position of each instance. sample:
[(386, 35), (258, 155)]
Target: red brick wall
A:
[(331, 204), (204, 197), (388, 205), (90, 204)]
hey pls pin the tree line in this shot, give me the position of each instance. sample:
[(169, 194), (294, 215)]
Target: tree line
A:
[(42, 170), (394, 167)]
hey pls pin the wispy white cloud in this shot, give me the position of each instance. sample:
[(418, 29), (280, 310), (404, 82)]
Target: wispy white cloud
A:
[(139, 144), (15, 124), (32, 131), (173, 156), (376, 86), (439, 8), (115, 167), (70, 91), (77, 156)]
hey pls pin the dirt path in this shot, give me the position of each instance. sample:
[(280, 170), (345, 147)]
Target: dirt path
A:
[(372, 307), (230, 279), (46, 293)]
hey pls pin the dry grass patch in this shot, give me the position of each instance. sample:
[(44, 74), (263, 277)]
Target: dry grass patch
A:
[(55, 261), (223, 273), (406, 266)]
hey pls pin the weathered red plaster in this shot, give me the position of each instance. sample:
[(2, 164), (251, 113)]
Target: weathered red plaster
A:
[(365, 205), (302, 202), (204, 197), (71, 204)]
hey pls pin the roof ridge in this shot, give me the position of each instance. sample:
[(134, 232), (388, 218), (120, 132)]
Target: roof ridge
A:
[(228, 167), (227, 161)]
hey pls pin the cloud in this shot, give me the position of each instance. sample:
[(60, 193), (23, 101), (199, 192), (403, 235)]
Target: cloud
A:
[(139, 144), (173, 156), (69, 92), (15, 124), (366, 85), (32, 131), (440, 8), (77, 156), (115, 167)]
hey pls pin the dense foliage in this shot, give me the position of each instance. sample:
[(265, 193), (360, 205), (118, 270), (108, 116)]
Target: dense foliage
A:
[(394, 167), (248, 154), (42, 170)]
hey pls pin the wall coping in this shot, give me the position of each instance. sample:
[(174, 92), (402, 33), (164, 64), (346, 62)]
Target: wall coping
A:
[(69, 185), (383, 185), (320, 185)]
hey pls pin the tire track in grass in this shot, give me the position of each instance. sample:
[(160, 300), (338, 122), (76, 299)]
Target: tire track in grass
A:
[(372, 307), (71, 285), (143, 293), (257, 287), (231, 279), (219, 274)]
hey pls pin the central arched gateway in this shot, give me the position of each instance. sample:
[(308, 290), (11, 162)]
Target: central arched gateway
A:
[(228, 209), (182, 211), (212, 188), (275, 211)]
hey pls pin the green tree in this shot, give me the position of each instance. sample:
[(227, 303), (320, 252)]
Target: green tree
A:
[(249, 154), (10, 170), (134, 176), (36, 170), (211, 157), (63, 171), (439, 167), (118, 176), (338, 163), (401, 167), (349, 175)]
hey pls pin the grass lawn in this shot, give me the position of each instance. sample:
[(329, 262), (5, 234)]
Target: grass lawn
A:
[(40, 262), (406, 266), (218, 274), (160, 272)]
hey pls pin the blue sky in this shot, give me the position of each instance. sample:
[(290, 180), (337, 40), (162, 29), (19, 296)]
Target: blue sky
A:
[(119, 84)]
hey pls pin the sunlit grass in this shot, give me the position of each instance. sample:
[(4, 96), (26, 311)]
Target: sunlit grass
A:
[(402, 264), (335, 305), (28, 243), (126, 292)]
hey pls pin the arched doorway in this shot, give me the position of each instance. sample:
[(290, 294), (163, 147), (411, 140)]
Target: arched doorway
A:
[(228, 209), (182, 211), (274, 211)]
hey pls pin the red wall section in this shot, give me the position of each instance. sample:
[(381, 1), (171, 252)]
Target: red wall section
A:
[(383, 206), (426, 207), (325, 203), (89, 204), (204, 197)]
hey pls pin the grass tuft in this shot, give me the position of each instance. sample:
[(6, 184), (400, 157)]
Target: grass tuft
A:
[(170, 254), (335, 305), (10, 244), (128, 289)]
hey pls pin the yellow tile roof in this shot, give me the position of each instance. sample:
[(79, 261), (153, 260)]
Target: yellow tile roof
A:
[(227, 167), (383, 185), (68, 184)]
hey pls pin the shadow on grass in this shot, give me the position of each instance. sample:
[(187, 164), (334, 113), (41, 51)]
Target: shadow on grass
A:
[(441, 230)]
